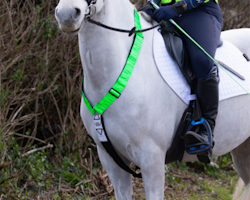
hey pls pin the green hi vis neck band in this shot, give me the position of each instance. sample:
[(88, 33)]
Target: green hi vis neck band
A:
[(170, 1), (122, 81)]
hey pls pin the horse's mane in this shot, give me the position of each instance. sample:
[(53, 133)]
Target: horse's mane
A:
[(139, 3)]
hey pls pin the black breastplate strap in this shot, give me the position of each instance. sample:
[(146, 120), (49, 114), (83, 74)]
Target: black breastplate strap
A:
[(103, 138)]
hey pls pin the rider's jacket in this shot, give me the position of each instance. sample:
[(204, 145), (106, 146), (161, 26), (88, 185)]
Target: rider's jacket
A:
[(168, 2)]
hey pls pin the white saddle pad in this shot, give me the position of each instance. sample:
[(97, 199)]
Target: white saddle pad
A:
[(228, 54)]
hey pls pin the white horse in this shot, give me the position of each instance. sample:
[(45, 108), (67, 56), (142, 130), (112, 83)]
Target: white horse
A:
[(142, 122)]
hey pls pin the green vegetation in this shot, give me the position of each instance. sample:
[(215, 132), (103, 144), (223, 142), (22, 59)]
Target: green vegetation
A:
[(192, 181)]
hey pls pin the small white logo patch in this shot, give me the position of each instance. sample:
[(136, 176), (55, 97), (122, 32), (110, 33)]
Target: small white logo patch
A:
[(99, 128)]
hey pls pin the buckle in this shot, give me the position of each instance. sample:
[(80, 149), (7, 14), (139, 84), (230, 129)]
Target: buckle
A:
[(195, 123), (187, 116), (92, 8), (114, 93)]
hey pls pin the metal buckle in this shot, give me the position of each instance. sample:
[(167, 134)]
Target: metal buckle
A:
[(114, 93), (92, 9), (186, 117)]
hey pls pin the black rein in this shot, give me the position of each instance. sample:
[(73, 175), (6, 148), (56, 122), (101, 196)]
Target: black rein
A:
[(131, 32)]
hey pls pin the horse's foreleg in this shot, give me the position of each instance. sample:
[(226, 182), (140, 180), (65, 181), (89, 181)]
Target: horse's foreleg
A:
[(241, 159), (153, 173), (120, 179)]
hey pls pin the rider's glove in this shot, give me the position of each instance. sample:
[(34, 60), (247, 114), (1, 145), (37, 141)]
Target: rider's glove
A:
[(169, 12), (149, 9)]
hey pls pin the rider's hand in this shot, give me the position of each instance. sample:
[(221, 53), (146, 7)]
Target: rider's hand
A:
[(164, 13)]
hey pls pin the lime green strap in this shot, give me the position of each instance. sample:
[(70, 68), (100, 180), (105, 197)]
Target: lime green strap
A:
[(170, 1), (122, 81), (88, 105)]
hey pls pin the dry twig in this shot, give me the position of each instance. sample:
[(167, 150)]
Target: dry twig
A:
[(37, 149)]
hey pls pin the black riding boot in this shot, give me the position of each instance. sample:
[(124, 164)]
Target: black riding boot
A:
[(208, 96)]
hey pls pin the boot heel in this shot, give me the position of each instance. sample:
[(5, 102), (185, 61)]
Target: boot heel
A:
[(205, 157)]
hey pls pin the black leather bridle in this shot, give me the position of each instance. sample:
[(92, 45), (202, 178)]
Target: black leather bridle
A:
[(92, 10)]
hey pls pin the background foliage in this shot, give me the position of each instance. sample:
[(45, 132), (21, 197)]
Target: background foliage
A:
[(44, 148)]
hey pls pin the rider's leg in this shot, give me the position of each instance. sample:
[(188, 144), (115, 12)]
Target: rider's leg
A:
[(205, 29), (208, 96)]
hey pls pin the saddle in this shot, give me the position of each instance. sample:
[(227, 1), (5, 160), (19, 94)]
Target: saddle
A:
[(191, 119)]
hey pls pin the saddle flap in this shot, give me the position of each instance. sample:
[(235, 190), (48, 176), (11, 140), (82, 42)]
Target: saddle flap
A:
[(177, 51)]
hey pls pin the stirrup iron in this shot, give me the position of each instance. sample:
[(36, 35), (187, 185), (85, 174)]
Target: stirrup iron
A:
[(201, 147)]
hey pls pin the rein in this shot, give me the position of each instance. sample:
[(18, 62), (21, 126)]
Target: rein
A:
[(92, 10), (131, 32)]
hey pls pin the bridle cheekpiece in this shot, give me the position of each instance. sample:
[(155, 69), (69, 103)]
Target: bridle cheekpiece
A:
[(92, 8)]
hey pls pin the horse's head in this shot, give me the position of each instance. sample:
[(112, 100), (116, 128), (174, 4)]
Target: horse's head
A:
[(70, 14)]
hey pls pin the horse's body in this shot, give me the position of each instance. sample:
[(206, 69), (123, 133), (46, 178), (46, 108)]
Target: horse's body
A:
[(142, 122)]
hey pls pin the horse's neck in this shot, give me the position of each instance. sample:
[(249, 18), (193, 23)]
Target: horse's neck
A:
[(104, 52)]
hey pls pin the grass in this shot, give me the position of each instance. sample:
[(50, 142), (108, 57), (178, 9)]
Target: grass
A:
[(80, 176), (191, 181)]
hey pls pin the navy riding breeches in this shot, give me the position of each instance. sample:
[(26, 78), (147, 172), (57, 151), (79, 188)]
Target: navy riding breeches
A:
[(204, 25)]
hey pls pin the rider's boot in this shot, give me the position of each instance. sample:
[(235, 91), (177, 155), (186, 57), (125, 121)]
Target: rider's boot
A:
[(208, 95)]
